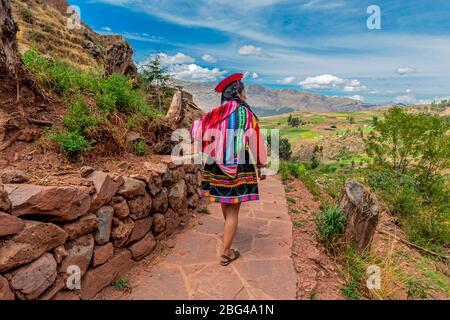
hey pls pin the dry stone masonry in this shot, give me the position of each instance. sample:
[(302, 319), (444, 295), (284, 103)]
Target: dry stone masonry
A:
[(100, 227)]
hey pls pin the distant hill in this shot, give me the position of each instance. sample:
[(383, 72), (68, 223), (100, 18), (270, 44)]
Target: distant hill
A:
[(268, 101)]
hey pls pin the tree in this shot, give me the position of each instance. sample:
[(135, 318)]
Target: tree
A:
[(406, 141), (316, 156), (285, 149), (290, 119), (155, 74), (296, 122), (374, 120)]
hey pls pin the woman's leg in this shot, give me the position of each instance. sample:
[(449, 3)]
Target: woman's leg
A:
[(224, 210), (231, 223)]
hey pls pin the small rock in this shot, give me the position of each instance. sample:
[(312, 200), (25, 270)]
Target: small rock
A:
[(132, 188), (121, 233), (141, 228), (143, 247), (79, 253), (102, 254), (14, 176), (5, 290), (121, 209), (140, 206), (59, 253), (5, 203), (170, 243), (105, 188), (105, 216), (177, 195), (86, 171), (30, 281), (172, 221), (84, 225), (159, 223), (10, 225), (161, 201)]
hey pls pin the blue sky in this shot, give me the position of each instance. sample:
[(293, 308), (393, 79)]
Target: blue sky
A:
[(317, 46)]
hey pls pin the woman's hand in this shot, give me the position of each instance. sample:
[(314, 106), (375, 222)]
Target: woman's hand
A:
[(261, 176)]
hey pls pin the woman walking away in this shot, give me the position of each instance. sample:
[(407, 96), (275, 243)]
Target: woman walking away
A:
[(230, 136)]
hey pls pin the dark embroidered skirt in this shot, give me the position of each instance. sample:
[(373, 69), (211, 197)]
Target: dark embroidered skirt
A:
[(219, 187)]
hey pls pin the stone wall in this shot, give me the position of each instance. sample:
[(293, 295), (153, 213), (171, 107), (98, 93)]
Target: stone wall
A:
[(97, 228)]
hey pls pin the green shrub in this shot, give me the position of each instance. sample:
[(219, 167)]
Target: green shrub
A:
[(72, 142), (26, 14), (36, 36), (79, 117), (140, 147), (330, 224), (48, 27), (122, 284)]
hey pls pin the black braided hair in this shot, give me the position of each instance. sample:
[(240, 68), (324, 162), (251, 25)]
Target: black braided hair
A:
[(230, 93)]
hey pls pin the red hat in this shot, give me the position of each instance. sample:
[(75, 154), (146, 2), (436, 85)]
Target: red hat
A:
[(227, 81)]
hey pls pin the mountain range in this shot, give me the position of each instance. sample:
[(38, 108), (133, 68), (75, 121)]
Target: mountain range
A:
[(267, 101)]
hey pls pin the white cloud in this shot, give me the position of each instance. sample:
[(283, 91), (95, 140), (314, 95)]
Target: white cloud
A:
[(357, 97), (209, 58), (193, 72), (323, 81), (405, 70), (107, 29), (409, 91), (329, 81), (250, 50), (287, 80), (179, 58)]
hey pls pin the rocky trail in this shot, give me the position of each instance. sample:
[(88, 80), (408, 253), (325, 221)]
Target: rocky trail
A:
[(191, 269), (279, 260)]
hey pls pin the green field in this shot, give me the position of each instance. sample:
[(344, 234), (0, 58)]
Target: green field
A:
[(313, 129)]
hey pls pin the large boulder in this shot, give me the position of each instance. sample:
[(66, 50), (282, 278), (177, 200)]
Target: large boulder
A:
[(30, 281), (10, 225), (140, 206), (84, 225), (105, 217), (143, 247), (55, 204), (105, 188), (5, 203), (33, 241), (5, 290), (132, 188), (177, 195), (79, 253), (98, 278)]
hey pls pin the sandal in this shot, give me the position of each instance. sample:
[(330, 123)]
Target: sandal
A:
[(229, 260)]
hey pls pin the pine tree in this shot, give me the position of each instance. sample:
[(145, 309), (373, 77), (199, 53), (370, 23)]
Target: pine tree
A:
[(155, 74)]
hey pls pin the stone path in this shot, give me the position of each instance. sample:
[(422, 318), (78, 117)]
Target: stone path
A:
[(265, 270)]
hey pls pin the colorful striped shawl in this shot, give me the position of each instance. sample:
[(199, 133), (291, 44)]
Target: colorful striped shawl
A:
[(224, 132)]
